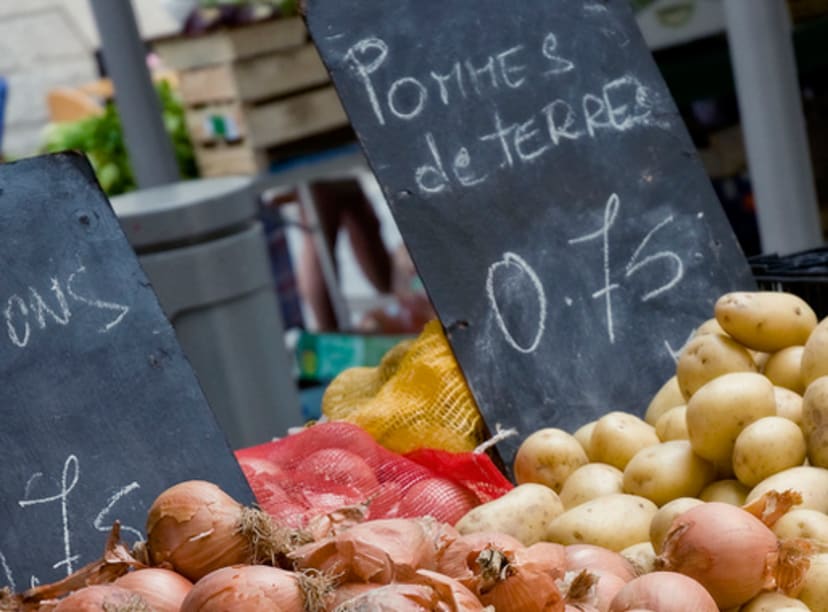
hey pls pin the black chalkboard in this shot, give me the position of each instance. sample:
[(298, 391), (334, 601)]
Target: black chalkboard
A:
[(99, 410), (546, 187)]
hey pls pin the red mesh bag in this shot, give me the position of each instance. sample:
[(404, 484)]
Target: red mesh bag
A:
[(329, 466)]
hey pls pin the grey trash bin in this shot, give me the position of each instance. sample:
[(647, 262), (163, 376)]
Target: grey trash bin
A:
[(203, 248)]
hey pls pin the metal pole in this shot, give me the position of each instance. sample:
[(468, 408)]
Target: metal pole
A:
[(150, 149), (770, 104)]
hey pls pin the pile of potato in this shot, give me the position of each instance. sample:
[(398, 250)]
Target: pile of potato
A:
[(745, 412)]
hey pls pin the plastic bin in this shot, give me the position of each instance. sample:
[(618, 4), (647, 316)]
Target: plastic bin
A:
[(204, 250), (804, 273)]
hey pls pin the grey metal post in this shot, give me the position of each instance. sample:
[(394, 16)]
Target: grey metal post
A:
[(770, 104), (150, 149)]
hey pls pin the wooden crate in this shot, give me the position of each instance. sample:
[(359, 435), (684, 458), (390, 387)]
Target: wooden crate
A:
[(250, 90)]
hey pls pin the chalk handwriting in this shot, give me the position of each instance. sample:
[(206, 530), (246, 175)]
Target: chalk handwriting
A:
[(68, 482), (31, 310), (633, 266), (519, 266)]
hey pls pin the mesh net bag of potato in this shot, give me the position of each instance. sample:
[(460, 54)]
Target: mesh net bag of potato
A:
[(415, 398), (330, 466)]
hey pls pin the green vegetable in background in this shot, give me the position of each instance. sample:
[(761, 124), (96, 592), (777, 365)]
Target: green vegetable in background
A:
[(101, 138)]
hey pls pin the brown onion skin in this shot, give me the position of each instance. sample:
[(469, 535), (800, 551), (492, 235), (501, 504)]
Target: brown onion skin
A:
[(663, 592), (730, 552), (245, 588), (99, 598), (164, 590), (193, 528)]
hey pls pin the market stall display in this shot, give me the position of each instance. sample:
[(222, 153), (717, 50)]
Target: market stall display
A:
[(100, 409), (547, 190)]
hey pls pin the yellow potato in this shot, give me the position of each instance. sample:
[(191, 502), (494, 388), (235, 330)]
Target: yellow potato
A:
[(663, 519), (728, 491), (765, 320), (814, 591), (815, 421), (773, 601), (614, 521), (783, 368), (523, 513), (667, 397), (810, 481), (719, 411), (765, 447), (788, 404), (804, 523), (711, 326), (618, 436), (583, 435), (815, 354), (707, 357), (667, 471), (591, 481), (672, 425), (548, 456)]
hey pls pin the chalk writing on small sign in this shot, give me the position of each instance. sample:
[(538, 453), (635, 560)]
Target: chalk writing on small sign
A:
[(547, 190), (100, 410)]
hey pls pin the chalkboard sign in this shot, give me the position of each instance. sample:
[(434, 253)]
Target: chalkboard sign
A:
[(550, 196), (99, 410)]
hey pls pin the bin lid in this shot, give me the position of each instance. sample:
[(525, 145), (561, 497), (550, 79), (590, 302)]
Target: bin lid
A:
[(185, 211)]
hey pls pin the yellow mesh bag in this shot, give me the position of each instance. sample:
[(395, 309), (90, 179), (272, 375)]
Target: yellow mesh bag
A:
[(416, 398)]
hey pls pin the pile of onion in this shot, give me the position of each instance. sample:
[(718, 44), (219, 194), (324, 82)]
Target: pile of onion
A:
[(732, 554), (194, 527)]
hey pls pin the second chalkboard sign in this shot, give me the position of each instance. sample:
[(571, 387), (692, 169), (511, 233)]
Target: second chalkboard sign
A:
[(547, 189)]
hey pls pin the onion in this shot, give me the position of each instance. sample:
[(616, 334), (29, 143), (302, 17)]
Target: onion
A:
[(383, 551), (663, 592), (591, 557), (526, 581), (162, 589), (347, 592), (194, 528), (396, 597), (733, 554), (591, 588), (103, 598), (460, 558), (246, 588), (450, 592)]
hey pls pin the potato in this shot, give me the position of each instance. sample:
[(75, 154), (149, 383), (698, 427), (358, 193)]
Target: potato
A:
[(788, 404), (815, 354), (765, 320), (814, 592), (618, 436), (728, 491), (614, 521), (783, 368), (672, 425), (711, 326), (523, 513), (810, 481), (707, 357), (815, 421), (804, 523), (583, 435), (765, 447), (590, 481), (548, 456), (719, 411), (667, 471), (667, 397), (773, 601), (663, 519)]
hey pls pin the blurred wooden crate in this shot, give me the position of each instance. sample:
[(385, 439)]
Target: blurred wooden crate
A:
[(251, 91)]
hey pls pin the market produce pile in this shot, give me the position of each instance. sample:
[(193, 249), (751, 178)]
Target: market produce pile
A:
[(716, 500)]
